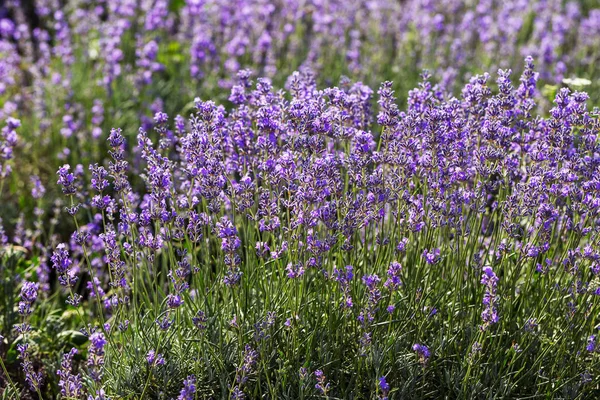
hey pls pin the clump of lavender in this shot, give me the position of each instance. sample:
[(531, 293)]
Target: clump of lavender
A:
[(179, 278), (3, 236), (118, 166), (294, 270), (262, 329), (100, 395), (286, 186), (388, 112), (115, 263), (591, 344)]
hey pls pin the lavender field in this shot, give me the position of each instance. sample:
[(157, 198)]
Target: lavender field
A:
[(299, 199)]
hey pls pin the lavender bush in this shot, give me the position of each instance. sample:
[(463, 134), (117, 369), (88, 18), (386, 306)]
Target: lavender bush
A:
[(283, 237), (70, 71)]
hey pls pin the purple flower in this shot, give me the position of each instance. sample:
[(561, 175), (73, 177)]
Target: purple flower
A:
[(38, 190), (322, 385), (367, 315), (118, 166), (303, 373), (230, 242), (384, 387), (96, 355), (262, 249), (432, 256), (34, 379), (475, 349), (393, 281), (66, 179), (237, 394), (165, 323), (591, 344), (8, 140), (531, 325), (388, 113), (401, 247), (294, 270), (29, 293), (344, 278), (250, 358), (123, 326), (70, 385), (200, 320), (154, 359), (174, 300), (113, 258), (189, 389), (115, 138), (99, 175), (3, 237), (100, 395), (422, 353), (490, 312), (62, 264)]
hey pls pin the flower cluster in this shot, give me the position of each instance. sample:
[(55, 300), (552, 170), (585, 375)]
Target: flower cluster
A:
[(189, 388), (70, 385), (344, 278), (215, 39), (243, 372), (96, 355), (384, 387), (62, 264), (33, 378), (29, 293), (322, 385), (8, 140), (154, 359), (423, 353), (490, 313)]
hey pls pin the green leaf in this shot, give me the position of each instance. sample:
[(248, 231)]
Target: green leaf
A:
[(73, 337), (176, 5)]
